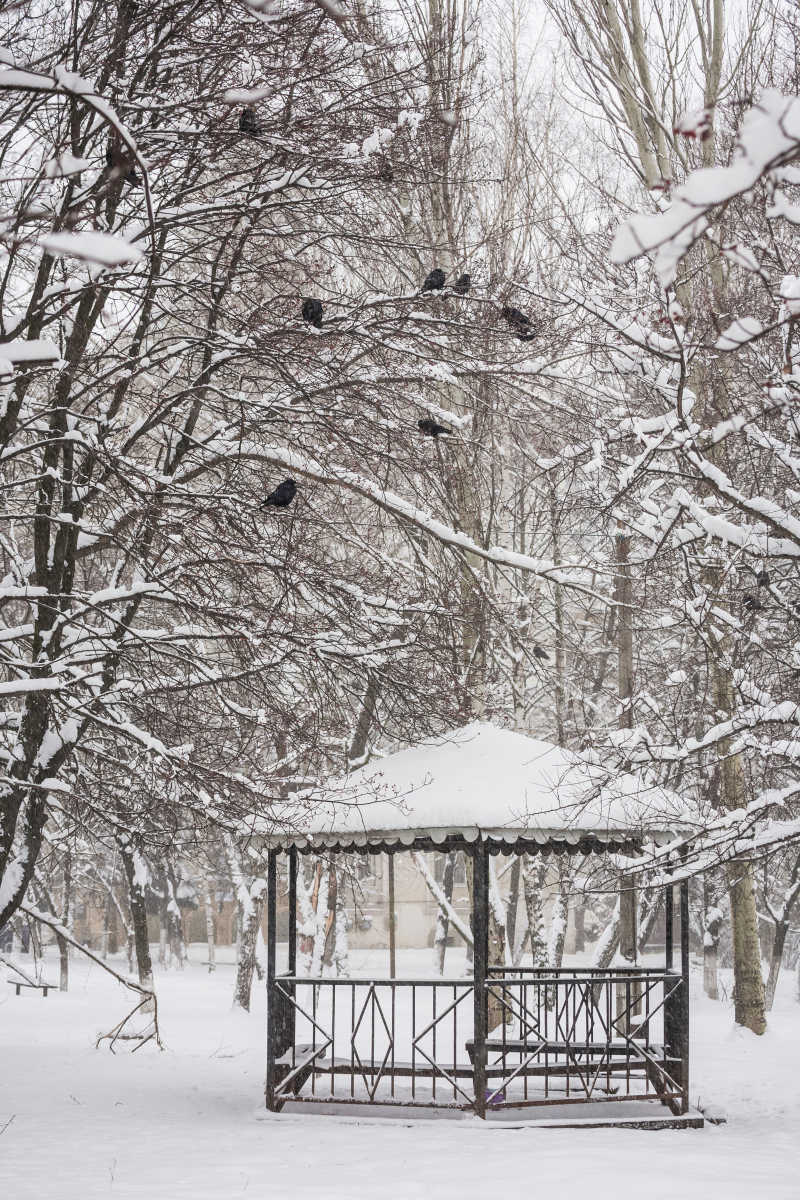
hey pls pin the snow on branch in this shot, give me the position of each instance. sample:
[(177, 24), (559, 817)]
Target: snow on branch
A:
[(397, 506), (768, 138)]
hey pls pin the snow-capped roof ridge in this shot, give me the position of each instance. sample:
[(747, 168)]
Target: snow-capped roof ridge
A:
[(482, 780)]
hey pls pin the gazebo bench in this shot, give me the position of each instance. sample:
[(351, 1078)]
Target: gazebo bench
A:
[(307, 1059), (295, 1068), (546, 1046)]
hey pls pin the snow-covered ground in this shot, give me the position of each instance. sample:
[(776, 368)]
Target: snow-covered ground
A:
[(76, 1122)]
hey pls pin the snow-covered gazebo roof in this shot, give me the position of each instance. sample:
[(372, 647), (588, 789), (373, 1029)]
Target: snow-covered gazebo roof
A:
[(487, 782)]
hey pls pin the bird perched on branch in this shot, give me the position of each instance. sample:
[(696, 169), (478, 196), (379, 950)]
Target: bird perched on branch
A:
[(248, 123), (539, 653), (312, 312), (431, 428), (462, 284), (751, 603), (434, 281), (118, 160), (283, 495), (519, 322), (762, 578)]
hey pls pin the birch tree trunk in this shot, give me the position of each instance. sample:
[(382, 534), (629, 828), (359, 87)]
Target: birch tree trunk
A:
[(321, 919), (712, 928), (534, 874), (341, 944), (442, 915), (211, 932), (249, 905), (512, 904)]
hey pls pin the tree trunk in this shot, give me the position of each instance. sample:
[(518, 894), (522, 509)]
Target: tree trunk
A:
[(177, 944), (623, 597), (580, 927), (606, 947), (748, 989), (649, 908), (211, 932), (499, 954), (512, 905), (442, 916), (558, 925), (712, 928), (250, 908), (533, 881), (341, 945), (136, 874), (775, 959), (321, 924)]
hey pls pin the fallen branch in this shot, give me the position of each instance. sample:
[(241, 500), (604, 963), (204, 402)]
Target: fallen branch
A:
[(148, 995)]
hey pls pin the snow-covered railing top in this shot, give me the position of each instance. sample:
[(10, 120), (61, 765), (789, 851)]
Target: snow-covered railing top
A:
[(481, 782)]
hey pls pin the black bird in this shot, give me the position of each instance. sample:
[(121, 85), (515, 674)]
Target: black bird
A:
[(312, 312), (538, 652), (117, 161), (426, 425), (248, 123), (434, 282), (462, 285), (519, 322), (762, 578), (283, 495), (752, 603)]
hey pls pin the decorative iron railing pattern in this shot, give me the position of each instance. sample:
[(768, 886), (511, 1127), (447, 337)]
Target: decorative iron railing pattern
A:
[(375, 1041), (573, 1036), (564, 1036)]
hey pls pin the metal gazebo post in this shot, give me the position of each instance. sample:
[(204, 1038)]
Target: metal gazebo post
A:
[(292, 912), (480, 963), (272, 1007), (684, 1006), (676, 1006)]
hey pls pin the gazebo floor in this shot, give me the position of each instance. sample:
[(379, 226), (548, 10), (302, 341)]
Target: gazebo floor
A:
[(647, 1114)]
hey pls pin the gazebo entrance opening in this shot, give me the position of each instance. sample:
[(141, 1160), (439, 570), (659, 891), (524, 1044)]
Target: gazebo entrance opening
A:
[(502, 1039)]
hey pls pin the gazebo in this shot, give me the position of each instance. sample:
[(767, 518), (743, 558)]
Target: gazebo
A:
[(577, 1036)]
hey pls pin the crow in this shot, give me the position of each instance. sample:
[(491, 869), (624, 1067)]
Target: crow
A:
[(248, 123), (434, 282), (283, 495), (752, 603), (429, 427), (116, 160), (312, 312), (519, 323), (538, 652), (462, 284), (762, 578)]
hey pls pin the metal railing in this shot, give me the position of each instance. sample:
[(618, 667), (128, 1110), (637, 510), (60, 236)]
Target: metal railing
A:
[(561, 1036), (376, 1041), (580, 1035)]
